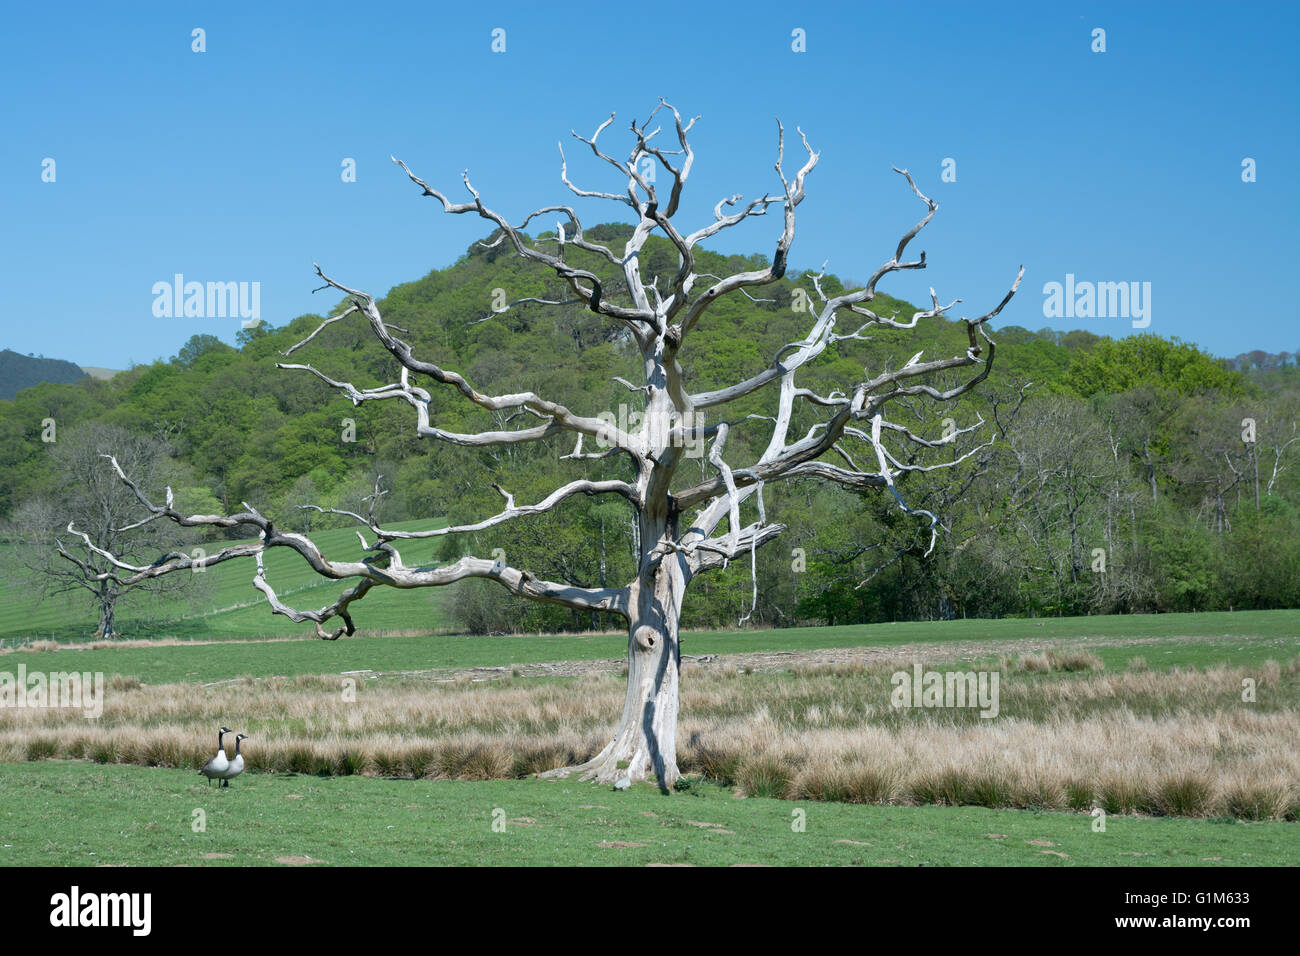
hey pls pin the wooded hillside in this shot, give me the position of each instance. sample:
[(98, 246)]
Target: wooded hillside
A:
[(1114, 474)]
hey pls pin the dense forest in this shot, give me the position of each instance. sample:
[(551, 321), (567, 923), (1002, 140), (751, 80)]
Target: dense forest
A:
[(1133, 475)]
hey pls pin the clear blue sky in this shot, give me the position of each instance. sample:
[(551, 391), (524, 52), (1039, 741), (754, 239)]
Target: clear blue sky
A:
[(225, 165)]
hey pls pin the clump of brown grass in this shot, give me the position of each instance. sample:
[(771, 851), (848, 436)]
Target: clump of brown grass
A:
[(1047, 661), (847, 781), (763, 775), (1185, 795), (1261, 799), (41, 747), (1074, 661), (716, 762), (1121, 793), (1034, 663), (959, 786), (1079, 794)]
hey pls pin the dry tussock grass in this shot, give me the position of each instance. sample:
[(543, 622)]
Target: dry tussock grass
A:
[(1174, 742), (1043, 662)]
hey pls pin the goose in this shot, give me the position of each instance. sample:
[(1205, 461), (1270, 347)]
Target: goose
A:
[(236, 766), (218, 765)]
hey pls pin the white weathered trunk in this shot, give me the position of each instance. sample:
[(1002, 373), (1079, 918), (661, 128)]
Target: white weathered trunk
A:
[(644, 745)]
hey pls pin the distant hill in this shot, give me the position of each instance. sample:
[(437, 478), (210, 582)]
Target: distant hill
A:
[(18, 371), (95, 371)]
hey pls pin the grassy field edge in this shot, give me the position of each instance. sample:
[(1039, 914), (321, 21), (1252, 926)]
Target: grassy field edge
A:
[(62, 813)]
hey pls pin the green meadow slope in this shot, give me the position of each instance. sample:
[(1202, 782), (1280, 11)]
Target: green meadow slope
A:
[(231, 607)]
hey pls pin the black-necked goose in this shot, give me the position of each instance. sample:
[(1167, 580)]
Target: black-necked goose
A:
[(218, 765), (236, 766)]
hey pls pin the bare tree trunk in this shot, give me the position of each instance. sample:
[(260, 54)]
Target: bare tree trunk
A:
[(645, 743), (107, 618)]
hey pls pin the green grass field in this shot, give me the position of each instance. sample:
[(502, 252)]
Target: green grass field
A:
[(71, 813), (1243, 637), (64, 812), (231, 606)]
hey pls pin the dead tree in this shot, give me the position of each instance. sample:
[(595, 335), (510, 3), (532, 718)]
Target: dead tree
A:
[(86, 492), (679, 526)]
